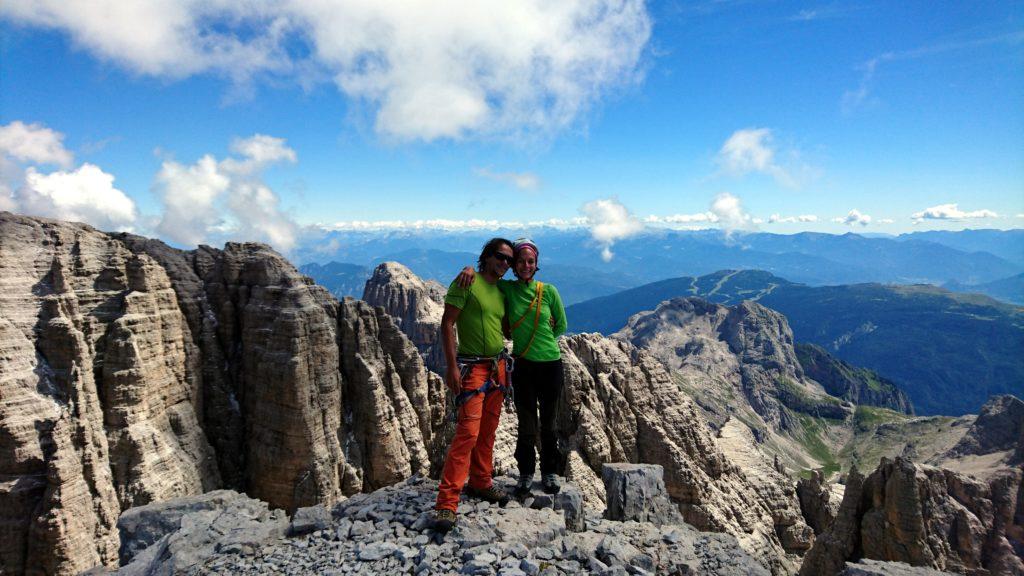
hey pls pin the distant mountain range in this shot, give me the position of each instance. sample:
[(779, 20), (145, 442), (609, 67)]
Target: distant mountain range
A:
[(575, 283), (341, 279), (1007, 244), (571, 259), (949, 351), (1008, 289)]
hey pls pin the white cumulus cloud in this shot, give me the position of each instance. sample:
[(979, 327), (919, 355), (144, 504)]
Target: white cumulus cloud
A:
[(728, 209), (83, 195), (609, 222), (425, 70), (951, 212), (210, 200), (853, 218), (752, 150), (34, 144), (188, 194)]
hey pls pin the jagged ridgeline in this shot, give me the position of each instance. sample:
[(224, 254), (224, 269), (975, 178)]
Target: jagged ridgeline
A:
[(949, 352), (133, 373)]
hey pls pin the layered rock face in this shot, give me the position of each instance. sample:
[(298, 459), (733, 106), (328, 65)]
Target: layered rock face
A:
[(621, 405), (746, 347), (819, 501), (415, 305), (100, 394), (313, 398), (998, 430), (132, 372), (926, 516)]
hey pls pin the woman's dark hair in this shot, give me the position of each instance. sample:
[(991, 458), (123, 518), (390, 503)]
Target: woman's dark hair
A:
[(490, 249)]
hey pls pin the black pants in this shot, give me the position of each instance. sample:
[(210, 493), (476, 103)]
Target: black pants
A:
[(537, 383)]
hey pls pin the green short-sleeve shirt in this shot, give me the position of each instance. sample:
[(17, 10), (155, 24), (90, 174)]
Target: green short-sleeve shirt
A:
[(479, 323), (519, 297)]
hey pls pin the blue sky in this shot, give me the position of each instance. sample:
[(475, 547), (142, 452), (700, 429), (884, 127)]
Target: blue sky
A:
[(870, 117)]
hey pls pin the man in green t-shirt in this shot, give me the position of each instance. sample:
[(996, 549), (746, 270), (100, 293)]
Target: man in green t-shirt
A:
[(476, 375)]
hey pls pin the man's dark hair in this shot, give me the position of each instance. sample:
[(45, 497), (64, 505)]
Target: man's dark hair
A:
[(490, 249)]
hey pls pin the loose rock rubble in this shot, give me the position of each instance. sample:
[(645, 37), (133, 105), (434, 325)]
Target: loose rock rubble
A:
[(879, 568), (388, 532)]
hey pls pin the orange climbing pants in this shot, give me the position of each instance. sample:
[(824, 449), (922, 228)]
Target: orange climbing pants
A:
[(472, 449)]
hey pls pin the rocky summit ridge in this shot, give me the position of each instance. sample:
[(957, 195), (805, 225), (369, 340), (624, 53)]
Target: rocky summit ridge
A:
[(161, 404), (620, 404)]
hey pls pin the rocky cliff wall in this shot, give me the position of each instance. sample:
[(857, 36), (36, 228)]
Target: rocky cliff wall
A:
[(746, 347), (132, 372), (416, 305), (621, 405), (926, 516)]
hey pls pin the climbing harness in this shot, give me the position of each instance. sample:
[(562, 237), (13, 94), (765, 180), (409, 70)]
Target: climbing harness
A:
[(490, 385)]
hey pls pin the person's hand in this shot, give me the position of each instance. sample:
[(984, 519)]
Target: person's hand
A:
[(466, 277), (453, 379)]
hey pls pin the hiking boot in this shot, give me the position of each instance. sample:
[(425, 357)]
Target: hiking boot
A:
[(444, 520), (550, 484), (491, 494), (522, 489)]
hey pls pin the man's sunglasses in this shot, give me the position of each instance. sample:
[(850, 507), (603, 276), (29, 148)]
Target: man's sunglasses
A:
[(503, 257)]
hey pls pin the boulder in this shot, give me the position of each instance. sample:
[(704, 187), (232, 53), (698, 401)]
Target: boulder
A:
[(309, 519), (637, 492), (570, 501), (190, 530)]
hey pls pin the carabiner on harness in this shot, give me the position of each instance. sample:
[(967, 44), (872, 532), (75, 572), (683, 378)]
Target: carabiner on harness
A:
[(492, 383)]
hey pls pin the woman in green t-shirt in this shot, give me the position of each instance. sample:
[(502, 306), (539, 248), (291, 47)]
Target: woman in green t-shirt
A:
[(534, 318)]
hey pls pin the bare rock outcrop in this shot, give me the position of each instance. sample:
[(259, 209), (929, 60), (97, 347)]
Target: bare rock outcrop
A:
[(926, 516), (999, 428), (415, 304), (747, 347), (133, 372), (99, 410), (386, 532), (621, 405), (819, 501)]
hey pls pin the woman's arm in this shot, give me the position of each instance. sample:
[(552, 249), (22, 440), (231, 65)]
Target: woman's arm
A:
[(557, 312)]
